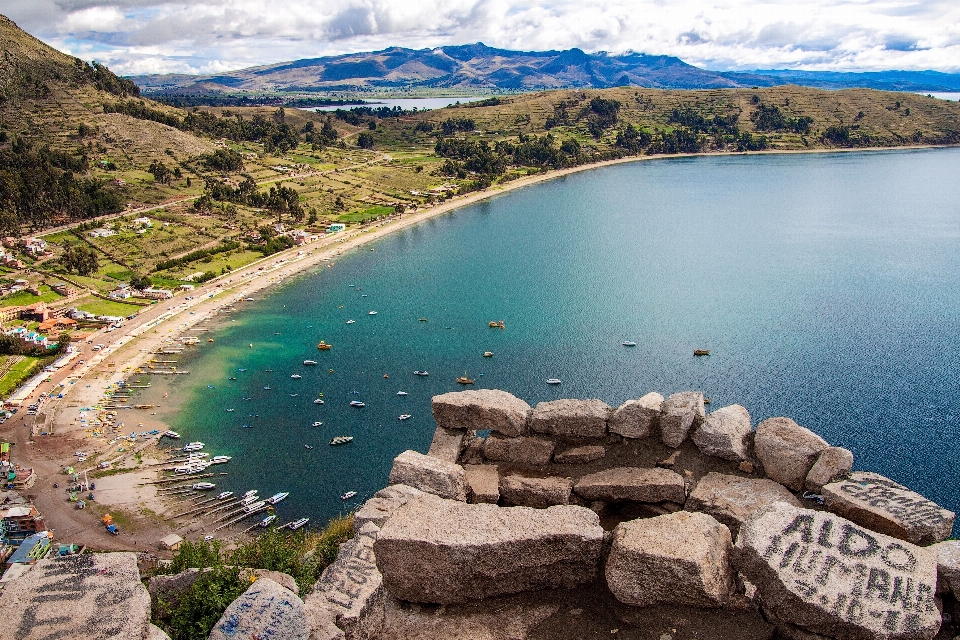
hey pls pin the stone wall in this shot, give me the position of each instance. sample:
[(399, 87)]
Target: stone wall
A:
[(656, 503)]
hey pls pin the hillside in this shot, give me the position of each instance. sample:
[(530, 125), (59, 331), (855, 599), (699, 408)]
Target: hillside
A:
[(478, 68)]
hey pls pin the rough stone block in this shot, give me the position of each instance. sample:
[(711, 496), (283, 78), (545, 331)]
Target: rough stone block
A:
[(443, 551), (681, 413), (833, 463), (265, 610), (156, 633), (787, 451), (429, 474), (827, 575), (382, 505), (880, 504), (483, 483), (633, 484), (535, 492), (350, 590), (447, 444), (482, 409), (732, 499), (580, 455), (575, 419), (285, 580), (637, 418), (682, 558), (522, 450), (948, 566), (77, 598), (725, 433)]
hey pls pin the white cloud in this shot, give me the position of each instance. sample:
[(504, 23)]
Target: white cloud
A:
[(136, 36)]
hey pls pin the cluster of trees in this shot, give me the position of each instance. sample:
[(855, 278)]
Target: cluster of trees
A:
[(13, 346), (193, 256), (451, 126), (105, 80), (273, 133), (140, 282), (489, 162), (771, 118), (279, 199), (696, 122), (38, 186), (79, 258), (325, 137), (226, 160), (162, 173), (600, 113)]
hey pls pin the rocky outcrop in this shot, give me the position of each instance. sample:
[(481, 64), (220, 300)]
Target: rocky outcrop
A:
[(349, 595), (382, 505), (826, 575), (637, 418), (725, 433), (429, 474), (522, 450), (535, 492), (285, 580), (833, 463), (77, 598), (265, 610), (444, 551), (680, 558), (580, 455), (447, 444), (571, 419), (787, 451), (632, 484), (882, 505), (483, 483), (681, 413), (482, 409), (733, 499)]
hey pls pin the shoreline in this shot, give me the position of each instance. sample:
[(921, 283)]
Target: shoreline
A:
[(136, 342)]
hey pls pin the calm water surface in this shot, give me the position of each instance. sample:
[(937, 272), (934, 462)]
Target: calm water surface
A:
[(825, 286)]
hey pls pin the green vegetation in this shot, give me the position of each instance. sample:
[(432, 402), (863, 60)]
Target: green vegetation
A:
[(16, 370), (101, 307), (23, 298), (365, 215), (302, 554)]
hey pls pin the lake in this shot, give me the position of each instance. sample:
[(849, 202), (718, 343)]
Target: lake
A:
[(825, 286), (423, 104)]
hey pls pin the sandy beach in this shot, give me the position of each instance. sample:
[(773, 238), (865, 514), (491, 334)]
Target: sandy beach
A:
[(139, 507)]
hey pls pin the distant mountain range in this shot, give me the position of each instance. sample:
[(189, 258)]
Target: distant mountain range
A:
[(477, 67)]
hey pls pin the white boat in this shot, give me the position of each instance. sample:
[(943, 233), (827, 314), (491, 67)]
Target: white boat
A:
[(198, 455), (350, 321), (172, 435), (230, 410), (277, 497), (308, 446), (298, 523), (554, 381), (318, 401), (405, 416), (194, 446), (628, 343), (252, 492), (266, 521), (220, 459), (401, 393), (317, 423), (371, 313), (203, 486), (348, 495), (254, 506), (224, 495), (310, 363), (357, 403), (296, 376), (341, 440), (421, 373), (266, 388)]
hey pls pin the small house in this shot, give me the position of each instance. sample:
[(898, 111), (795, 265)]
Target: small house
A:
[(336, 227), (172, 542)]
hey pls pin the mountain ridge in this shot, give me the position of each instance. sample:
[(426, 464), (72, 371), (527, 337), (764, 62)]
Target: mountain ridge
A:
[(478, 67)]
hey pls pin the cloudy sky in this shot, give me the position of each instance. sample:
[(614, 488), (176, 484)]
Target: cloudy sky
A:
[(203, 36)]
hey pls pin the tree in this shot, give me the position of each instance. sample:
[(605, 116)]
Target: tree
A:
[(365, 140), (160, 172), (140, 282), (312, 218), (80, 258)]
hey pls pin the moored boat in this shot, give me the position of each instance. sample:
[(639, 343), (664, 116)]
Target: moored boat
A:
[(309, 362), (348, 495), (296, 376), (554, 381), (323, 346), (420, 373), (701, 352), (220, 459), (488, 354), (266, 521), (496, 324), (464, 379), (401, 393), (296, 524), (255, 506), (371, 313), (341, 440), (203, 486), (173, 435), (357, 404), (194, 446), (350, 321), (277, 497), (404, 416), (317, 423), (318, 401), (628, 343)]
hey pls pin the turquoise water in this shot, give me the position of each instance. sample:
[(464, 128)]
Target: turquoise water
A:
[(825, 286)]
